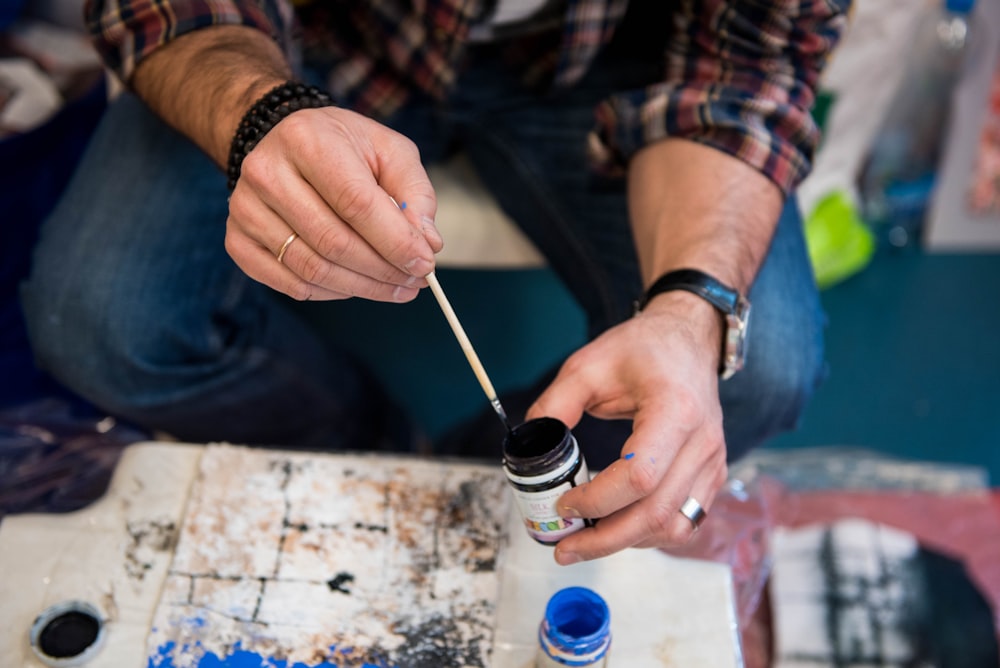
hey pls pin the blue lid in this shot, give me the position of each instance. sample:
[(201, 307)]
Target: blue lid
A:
[(959, 6), (577, 626)]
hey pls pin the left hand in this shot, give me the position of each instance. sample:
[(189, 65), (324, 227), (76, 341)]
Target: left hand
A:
[(659, 368)]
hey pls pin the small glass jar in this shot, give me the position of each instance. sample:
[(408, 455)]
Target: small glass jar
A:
[(542, 460), (576, 630)]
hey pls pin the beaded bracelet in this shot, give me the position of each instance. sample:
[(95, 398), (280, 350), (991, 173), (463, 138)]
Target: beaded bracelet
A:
[(265, 113)]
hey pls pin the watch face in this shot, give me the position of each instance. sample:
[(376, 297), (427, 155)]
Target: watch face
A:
[(737, 324)]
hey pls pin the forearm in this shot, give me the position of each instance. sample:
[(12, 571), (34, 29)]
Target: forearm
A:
[(204, 81), (694, 206)]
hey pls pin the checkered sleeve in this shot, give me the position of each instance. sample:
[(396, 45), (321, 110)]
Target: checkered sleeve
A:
[(741, 77), (126, 31)]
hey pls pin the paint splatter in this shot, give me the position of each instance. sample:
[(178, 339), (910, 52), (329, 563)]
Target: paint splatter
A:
[(630, 455), (402, 205), (237, 658), (340, 582), (306, 587)]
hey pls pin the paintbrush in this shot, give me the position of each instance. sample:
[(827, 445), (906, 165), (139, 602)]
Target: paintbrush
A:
[(470, 353)]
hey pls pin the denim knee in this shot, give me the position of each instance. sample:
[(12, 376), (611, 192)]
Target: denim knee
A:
[(769, 396), (77, 339)]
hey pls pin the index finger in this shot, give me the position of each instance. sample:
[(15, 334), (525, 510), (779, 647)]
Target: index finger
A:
[(356, 191), (646, 456)]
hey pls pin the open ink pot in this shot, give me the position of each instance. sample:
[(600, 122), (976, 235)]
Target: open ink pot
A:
[(576, 630), (542, 461), (68, 634)]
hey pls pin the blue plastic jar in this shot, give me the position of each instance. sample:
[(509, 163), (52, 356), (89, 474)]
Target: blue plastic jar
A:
[(576, 630)]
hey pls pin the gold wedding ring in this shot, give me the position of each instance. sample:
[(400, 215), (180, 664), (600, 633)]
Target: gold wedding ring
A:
[(288, 242)]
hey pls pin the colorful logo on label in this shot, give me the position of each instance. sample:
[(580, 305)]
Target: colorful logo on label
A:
[(545, 527)]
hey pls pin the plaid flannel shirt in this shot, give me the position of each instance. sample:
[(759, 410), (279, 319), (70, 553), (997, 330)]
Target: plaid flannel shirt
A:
[(739, 75)]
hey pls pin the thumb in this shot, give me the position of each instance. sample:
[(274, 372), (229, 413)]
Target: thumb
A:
[(565, 399)]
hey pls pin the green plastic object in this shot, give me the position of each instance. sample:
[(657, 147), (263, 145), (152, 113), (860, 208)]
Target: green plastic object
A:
[(839, 243)]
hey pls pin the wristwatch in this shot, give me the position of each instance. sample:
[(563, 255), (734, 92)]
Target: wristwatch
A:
[(735, 309)]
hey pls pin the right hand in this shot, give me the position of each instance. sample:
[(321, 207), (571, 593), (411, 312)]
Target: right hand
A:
[(327, 175)]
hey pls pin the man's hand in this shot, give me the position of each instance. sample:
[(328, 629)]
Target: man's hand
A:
[(659, 368), (327, 175), (690, 206)]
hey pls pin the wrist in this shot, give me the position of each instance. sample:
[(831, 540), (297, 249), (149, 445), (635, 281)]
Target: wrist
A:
[(730, 305), (203, 81), (269, 110)]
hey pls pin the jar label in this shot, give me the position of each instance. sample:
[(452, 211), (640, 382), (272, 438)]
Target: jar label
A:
[(538, 510)]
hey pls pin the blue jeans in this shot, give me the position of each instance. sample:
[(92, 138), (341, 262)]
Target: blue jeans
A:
[(134, 304)]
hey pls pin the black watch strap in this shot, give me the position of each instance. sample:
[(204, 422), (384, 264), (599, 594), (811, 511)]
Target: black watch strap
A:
[(705, 286), (735, 311)]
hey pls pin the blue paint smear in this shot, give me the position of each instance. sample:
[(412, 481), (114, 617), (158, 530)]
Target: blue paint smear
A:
[(402, 205), (238, 658), (630, 455)]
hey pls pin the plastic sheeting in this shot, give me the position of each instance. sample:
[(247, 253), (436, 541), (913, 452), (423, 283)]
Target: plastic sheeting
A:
[(950, 509)]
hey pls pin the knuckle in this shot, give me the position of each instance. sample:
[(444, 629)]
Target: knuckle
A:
[(314, 269), (643, 477), (666, 523), (660, 519), (576, 364), (333, 244), (296, 127), (671, 527), (238, 211), (406, 146), (679, 533), (354, 201), (229, 243), (299, 290), (255, 169)]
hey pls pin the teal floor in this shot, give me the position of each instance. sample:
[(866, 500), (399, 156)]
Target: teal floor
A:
[(913, 347), (520, 322)]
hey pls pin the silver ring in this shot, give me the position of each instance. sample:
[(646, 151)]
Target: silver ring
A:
[(288, 242), (692, 510)]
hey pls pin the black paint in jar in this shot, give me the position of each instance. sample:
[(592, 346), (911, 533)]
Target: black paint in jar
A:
[(542, 461)]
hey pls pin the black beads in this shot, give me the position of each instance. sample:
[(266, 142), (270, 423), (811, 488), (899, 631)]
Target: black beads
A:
[(268, 111)]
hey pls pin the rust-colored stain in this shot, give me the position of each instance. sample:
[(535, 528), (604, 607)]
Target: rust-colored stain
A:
[(347, 559)]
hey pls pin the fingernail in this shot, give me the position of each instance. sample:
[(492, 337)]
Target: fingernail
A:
[(567, 558), (569, 513), (427, 221), (432, 235), (401, 294), (410, 280), (418, 267)]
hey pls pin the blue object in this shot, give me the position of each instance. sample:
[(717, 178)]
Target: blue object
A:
[(576, 630), (960, 6), (896, 184)]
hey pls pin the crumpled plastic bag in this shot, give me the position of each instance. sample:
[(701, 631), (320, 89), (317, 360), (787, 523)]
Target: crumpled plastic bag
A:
[(949, 508), (57, 455)]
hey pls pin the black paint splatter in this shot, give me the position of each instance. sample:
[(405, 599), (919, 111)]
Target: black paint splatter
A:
[(338, 582), (439, 643), (371, 527)]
